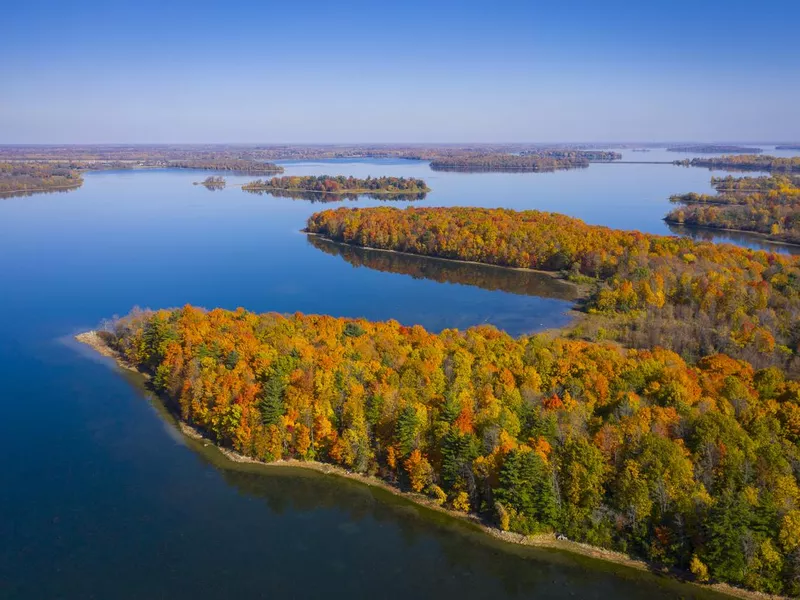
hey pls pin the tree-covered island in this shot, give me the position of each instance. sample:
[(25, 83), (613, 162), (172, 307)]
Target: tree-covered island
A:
[(340, 185), (744, 162), (766, 205)]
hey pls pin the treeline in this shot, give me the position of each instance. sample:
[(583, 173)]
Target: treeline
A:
[(162, 154), (506, 162), (712, 149), (336, 184), (694, 298), (574, 154), (227, 164), (25, 178), (691, 467), (745, 162), (766, 205)]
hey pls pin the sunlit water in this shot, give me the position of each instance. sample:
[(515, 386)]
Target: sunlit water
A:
[(101, 498)]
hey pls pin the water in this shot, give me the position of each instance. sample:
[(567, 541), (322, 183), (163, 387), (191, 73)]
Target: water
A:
[(102, 498)]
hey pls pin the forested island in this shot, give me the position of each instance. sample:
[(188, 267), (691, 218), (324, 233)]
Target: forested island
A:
[(232, 164), (765, 205), (596, 155), (507, 163), (745, 162), (25, 178), (689, 466), (694, 298), (716, 149), (789, 147), (340, 185), (214, 182)]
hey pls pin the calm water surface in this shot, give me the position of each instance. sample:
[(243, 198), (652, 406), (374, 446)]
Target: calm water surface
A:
[(101, 498)]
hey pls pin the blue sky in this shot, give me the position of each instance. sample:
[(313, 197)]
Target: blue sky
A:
[(95, 72)]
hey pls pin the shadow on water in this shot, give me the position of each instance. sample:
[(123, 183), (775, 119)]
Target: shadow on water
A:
[(487, 277), (313, 197), (478, 564)]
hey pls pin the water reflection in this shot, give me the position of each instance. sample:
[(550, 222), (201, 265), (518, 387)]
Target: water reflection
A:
[(24, 193), (525, 283), (313, 196), (739, 238)]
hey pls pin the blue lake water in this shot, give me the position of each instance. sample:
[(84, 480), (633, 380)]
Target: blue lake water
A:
[(102, 498)]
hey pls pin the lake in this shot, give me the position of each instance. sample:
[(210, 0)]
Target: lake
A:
[(101, 497)]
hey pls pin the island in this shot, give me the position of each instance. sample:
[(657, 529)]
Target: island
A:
[(340, 185), (637, 452), (745, 162), (214, 182), (715, 149), (788, 147), (27, 178), (693, 298), (769, 206), (507, 163)]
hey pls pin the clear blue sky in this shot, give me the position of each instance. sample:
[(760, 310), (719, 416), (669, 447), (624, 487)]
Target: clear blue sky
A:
[(384, 71)]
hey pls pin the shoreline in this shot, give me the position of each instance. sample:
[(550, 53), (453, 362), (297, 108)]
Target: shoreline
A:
[(545, 541), (766, 236)]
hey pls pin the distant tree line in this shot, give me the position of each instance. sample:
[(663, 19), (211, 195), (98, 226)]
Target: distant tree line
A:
[(716, 149), (746, 162), (507, 162), (766, 205)]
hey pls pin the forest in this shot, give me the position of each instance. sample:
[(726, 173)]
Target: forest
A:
[(599, 155), (715, 149), (225, 164), (22, 178), (689, 466), (766, 205), (506, 162), (744, 162), (695, 298), (339, 184)]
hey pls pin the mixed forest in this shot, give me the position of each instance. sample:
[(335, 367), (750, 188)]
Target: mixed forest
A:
[(744, 162), (507, 162), (695, 298), (715, 149), (691, 466), (765, 205), (22, 178)]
